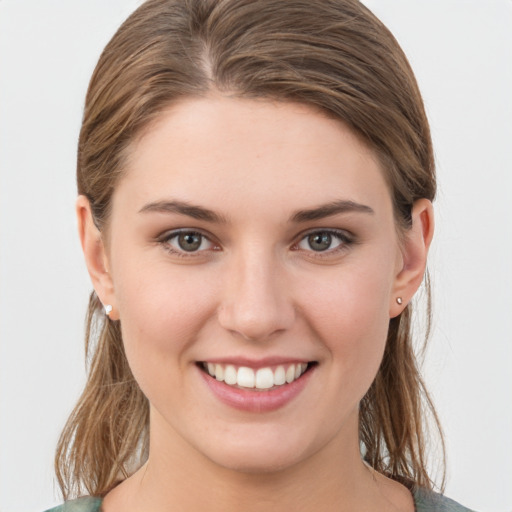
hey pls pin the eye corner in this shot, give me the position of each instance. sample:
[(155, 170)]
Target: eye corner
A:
[(342, 239), (200, 244)]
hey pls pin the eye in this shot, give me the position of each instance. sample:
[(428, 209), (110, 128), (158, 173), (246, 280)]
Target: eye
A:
[(324, 241), (187, 242)]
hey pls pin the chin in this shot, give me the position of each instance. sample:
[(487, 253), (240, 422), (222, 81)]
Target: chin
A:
[(262, 451), (256, 461)]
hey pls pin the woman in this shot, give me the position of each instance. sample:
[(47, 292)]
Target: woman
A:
[(255, 211)]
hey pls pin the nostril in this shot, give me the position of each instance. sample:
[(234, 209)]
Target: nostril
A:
[(254, 324), (254, 303)]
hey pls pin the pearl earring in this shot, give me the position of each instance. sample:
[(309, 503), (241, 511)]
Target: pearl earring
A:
[(399, 300), (108, 309)]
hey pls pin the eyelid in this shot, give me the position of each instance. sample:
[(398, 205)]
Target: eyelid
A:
[(346, 238), (166, 236)]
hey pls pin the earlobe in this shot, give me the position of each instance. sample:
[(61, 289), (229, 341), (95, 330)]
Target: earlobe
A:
[(414, 256), (95, 254)]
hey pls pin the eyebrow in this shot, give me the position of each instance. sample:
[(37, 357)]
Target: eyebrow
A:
[(329, 209), (184, 208), (200, 213)]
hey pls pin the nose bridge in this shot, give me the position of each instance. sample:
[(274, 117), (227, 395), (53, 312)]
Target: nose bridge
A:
[(256, 303)]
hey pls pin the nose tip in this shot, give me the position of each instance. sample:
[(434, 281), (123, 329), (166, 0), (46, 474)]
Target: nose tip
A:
[(251, 322), (256, 304)]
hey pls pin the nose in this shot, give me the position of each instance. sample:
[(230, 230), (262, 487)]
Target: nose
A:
[(256, 302)]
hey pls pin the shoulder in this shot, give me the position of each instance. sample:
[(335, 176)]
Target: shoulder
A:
[(85, 504), (429, 501)]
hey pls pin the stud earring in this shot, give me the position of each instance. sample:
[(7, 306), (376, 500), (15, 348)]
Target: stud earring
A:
[(108, 309), (399, 300)]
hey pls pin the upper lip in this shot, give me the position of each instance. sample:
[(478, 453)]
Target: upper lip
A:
[(256, 363)]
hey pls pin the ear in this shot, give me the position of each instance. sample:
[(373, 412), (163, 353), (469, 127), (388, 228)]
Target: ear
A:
[(414, 256), (95, 254)]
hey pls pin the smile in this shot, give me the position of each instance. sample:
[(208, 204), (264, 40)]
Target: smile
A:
[(262, 378)]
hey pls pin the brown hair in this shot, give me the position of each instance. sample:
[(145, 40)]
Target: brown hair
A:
[(334, 55)]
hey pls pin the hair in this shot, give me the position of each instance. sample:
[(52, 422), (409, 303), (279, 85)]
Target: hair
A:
[(333, 55)]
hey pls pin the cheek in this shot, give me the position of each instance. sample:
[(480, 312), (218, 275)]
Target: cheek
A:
[(161, 313), (349, 313)]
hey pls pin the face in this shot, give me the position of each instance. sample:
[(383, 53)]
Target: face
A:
[(254, 258)]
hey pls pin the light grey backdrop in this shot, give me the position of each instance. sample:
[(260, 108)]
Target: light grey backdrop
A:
[(461, 51)]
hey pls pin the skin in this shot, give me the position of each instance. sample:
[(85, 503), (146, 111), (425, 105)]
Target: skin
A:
[(256, 288)]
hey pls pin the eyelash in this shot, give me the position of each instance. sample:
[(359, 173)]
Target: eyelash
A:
[(345, 241), (166, 238)]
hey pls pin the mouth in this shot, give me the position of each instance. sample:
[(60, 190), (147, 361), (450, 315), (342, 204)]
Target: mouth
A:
[(257, 379)]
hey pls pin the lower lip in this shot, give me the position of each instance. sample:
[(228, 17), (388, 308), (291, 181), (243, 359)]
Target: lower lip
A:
[(257, 401)]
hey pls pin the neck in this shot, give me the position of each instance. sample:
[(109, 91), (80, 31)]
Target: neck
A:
[(178, 477)]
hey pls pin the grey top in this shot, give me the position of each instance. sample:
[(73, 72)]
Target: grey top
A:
[(424, 501), (85, 504), (428, 501)]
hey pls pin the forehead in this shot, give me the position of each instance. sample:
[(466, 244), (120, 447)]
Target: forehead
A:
[(238, 152)]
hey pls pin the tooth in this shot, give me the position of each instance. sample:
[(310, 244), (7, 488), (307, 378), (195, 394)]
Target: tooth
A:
[(230, 374), (297, 371), (264, 378), (219, 372), (245, 377), (279, 376), (290, 373), (211, 369), (303, 367)]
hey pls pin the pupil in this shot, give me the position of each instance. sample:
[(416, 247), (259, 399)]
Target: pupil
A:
[(320, 241), (189, 241)]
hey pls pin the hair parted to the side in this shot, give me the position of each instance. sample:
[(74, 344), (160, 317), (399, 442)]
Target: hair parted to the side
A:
[(334, 55)]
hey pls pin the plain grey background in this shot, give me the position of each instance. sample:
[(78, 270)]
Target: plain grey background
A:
[(461, 51)]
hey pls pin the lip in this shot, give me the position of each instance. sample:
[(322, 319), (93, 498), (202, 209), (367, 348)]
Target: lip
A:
[(256, 401)]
